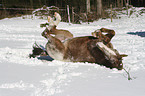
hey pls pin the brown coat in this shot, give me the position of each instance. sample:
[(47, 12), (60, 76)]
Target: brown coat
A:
[(59, 33), (84, 49)]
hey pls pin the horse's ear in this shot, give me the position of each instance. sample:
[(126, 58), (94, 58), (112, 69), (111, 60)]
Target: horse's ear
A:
[(123, 55)]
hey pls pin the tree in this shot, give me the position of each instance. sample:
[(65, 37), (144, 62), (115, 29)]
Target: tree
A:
[(88, 6), (121, 3), (40, 2), (118, 3), (31, 2), (99, 7)]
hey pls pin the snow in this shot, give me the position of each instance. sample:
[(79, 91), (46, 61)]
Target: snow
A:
[(22, 76)]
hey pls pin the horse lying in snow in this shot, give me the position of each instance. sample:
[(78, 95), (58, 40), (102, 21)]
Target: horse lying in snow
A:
[(51, 29), (93, 49), (59, 33)]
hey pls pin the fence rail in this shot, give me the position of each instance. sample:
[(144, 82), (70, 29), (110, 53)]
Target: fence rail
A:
[(31, 9), (16, 9)]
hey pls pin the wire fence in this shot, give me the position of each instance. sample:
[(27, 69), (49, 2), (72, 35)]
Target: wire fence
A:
[(70, 15), (12, 12), (17, 9)]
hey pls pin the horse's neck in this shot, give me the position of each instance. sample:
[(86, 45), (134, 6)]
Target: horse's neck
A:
[(54, 31)]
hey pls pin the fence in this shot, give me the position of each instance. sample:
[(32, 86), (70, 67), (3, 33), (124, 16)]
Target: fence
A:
[(68, 14), (12, 12)]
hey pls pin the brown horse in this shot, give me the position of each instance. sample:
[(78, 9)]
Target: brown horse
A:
[(59, 33), (91, 49)]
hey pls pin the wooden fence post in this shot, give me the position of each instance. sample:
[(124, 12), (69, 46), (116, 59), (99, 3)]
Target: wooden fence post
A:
[(72, 14), (111, 12), (68, 14), (127, 5)]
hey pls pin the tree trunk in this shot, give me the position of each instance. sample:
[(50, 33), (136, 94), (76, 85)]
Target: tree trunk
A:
[(88, 6), (128, 2), (118, 3), (99, 7), (31, 2), (121, 3), (3, 6), (40, 3), (125, 2)]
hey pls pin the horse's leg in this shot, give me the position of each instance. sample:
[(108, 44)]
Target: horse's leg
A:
[(104, 38), (55, 48), (107, 38)]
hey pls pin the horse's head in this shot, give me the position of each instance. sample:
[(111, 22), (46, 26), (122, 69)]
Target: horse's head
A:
[(53, 28), (116, 61), (45, 33)]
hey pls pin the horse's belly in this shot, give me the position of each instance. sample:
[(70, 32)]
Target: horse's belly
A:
[(78, 52), (54, 52)]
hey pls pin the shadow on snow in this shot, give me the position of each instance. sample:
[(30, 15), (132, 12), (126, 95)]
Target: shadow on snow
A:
[(141, 34)]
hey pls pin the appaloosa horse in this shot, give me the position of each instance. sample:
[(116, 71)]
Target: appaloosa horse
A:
[(93, 49)]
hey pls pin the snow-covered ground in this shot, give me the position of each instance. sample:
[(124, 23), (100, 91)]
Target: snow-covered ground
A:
[(22, 76)]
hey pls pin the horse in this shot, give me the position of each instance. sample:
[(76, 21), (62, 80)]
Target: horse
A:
[(92, 49), (59, 33)]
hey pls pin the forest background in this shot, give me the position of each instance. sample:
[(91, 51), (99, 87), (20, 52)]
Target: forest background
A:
[(95, 7)]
